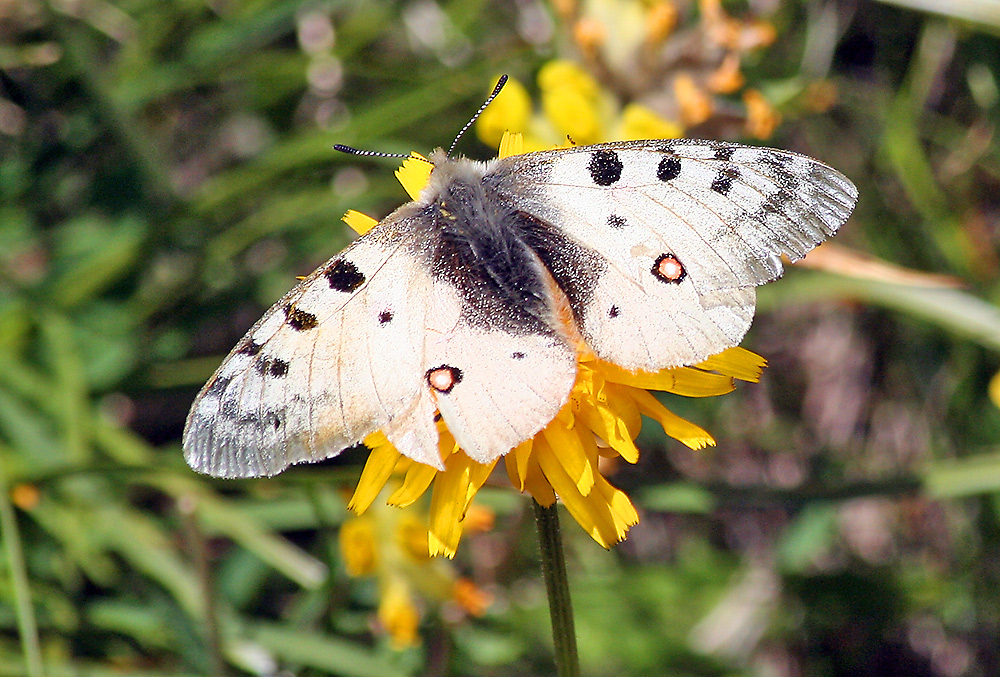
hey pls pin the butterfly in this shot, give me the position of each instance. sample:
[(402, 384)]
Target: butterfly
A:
[(469, 302)]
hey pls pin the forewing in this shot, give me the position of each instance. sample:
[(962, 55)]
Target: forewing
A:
[(337, 358), (675, 237)]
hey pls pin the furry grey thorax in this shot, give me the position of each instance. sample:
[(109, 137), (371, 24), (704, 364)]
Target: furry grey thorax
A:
[(485, 247)]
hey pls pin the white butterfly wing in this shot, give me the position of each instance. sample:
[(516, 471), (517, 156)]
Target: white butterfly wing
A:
[(336, 358), (512, 385), (683, 231), (375, 340)]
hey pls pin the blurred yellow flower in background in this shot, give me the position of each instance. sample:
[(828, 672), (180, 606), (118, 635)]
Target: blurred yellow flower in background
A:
[(641, 69), (391, 545), (574, 108)]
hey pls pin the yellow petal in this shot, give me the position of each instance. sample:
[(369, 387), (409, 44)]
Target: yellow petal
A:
[(378, 469), (516, 461), (569, 452), (360, 223), (683, 431), (446, 441), (414, 174), (677, 380), (591, 512), (536, 483), (418, 477), (511, 144), (609, 425), (736, 362), (478, 474), (622, 510), (697, 383), (449, 500), (624, 408)]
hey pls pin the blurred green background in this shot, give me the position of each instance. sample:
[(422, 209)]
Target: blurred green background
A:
[(166, 170)]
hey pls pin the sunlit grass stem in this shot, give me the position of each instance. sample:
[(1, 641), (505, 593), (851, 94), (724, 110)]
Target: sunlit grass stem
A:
[(10, 536)]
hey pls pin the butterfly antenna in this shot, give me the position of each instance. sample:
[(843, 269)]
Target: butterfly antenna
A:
[(354, 151), (489, 100)]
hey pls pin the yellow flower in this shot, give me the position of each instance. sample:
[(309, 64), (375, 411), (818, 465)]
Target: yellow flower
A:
[(641, 122), (392, 546), (573, 102), (575, 109), (762, 119), (681, 61), (600, 420), (398, 615)]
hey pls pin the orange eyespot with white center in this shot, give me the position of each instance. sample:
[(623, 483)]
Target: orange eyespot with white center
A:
[(668, 269), (444, 378)]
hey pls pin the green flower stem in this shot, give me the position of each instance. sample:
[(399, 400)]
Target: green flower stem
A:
[(557, 589)]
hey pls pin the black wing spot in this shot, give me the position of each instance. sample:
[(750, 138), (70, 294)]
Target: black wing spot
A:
[(723, 182), (270, 366), (668, 269), (616, 221), (775, 202), (278, 368), (343, 276), (605, 168), (299, 320), (517, 355), (725, 153), (669, 169), (385, 317), (614, 311), (778, 159)]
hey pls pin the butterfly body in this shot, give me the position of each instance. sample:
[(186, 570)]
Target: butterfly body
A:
[(453, 303)]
